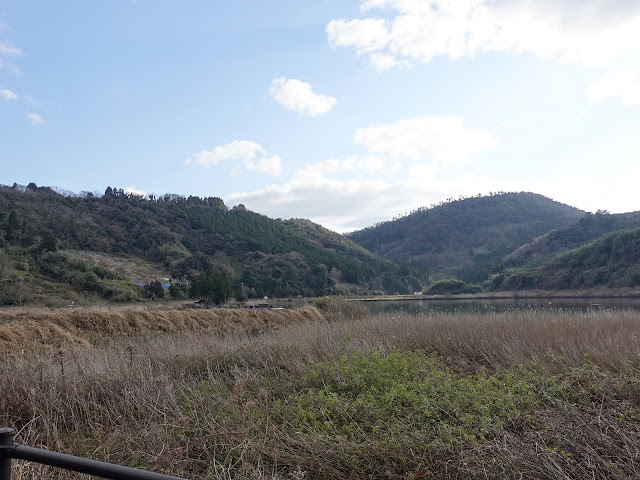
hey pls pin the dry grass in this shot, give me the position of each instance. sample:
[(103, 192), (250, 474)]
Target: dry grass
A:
[(53, 329), (195, 393)]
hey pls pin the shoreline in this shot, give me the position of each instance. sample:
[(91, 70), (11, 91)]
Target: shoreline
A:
[(511, 295)]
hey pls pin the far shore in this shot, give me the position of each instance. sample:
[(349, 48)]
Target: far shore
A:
[(513, 295)]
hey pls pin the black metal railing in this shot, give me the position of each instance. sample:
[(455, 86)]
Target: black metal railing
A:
[(9, 450)]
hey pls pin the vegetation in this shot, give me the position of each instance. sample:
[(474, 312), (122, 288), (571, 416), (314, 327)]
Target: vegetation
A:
[(610, 261), (214, 287), (466, 238), (46, 239), (452, 287), (513, 395), (587, 229), (57, 250)]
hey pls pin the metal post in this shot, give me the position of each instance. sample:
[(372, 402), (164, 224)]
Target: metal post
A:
[(6, 441)]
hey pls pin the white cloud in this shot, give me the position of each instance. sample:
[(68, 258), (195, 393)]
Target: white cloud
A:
[(441, 139), (243, 152), (345, 194), (271, 165), (8, 95), (349, 204), (587, 31), (299, 97), (35, 119), (132, 190), (623, 85), (8, 50), (365, 36), (383, 61), (355, 164)]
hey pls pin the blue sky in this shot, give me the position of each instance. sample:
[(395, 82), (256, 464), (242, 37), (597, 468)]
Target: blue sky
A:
[(343, 112)]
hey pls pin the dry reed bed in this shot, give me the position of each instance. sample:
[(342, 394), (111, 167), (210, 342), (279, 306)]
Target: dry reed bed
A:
[(187, 400), (82, 328)]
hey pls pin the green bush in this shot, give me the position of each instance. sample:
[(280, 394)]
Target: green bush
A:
[(373, 397), (452, 287)]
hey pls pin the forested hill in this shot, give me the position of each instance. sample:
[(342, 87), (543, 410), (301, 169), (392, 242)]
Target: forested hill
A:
[(610, 261), (466, 238), (551, 244), (41, 233)]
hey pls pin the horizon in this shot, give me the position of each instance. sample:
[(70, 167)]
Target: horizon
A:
[(344, 113), (99, 194)]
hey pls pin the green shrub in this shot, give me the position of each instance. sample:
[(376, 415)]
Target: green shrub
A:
[(452, 287)]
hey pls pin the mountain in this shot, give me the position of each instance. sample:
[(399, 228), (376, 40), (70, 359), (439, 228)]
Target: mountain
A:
[(466, 238), (611, 261), (56, 243)]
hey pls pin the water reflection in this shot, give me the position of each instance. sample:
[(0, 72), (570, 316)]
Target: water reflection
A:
[(502, 305)]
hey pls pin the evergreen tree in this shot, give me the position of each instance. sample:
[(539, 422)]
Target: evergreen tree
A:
[(13, 226)]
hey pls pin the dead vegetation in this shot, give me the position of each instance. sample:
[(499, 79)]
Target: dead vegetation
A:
[(20, 330), (200, 394)]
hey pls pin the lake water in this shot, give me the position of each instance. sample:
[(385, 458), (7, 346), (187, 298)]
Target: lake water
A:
[(502, 305)]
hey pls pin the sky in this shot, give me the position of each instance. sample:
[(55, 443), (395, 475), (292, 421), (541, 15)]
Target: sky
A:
[(344, 112)]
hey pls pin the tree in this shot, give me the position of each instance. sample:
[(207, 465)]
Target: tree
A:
[(13, 226), (214, 287), (47, 242), (240, 296), (154, 289), (176, 291), (222, 291), (203, 286)]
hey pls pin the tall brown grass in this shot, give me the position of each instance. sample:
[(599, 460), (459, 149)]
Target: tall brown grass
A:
[(82, 328), (191, 392)]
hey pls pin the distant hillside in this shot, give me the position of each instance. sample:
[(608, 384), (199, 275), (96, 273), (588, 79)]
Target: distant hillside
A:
[(555, 242), (184, 237), (466, 238), (610, 261), (408, 279)]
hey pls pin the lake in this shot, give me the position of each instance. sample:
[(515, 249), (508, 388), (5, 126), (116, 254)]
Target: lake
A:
[(502, 305)]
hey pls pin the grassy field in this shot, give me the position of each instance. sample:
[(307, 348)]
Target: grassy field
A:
[(338, 393)]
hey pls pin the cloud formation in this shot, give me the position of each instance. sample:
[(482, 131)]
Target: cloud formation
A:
[(344, 205), (623, 85), (298, 96), (442, 139), (369, 185), (8, 95), (35, 119), (271, 165), (416, 31), (7, 49), (243, 152)]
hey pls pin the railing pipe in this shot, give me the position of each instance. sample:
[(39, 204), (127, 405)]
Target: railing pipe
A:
[(6, 439), (9, 449)]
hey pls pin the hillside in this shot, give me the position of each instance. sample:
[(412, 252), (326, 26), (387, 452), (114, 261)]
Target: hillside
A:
[(48, 243), (588, 228), (466, 238), (610, 261)]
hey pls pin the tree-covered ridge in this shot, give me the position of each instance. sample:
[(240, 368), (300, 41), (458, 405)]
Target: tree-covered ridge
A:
[(466, 238), (612, 261), (185, 236), (586, 229)]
